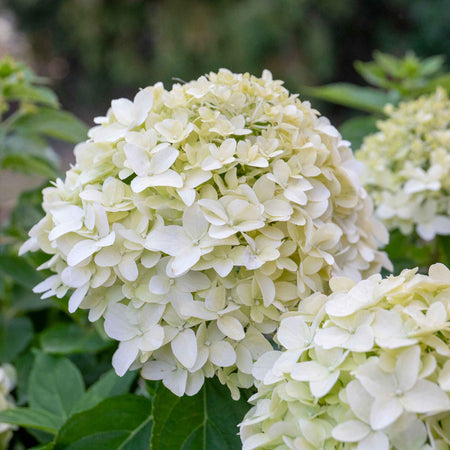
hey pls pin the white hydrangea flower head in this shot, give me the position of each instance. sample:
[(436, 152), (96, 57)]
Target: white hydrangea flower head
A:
[(367, 367), (8, 378), (193, 218), (408, 166)]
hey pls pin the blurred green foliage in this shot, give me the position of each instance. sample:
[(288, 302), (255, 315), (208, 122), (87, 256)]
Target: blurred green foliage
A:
[(29, 114), (394, 79), (100, 49)]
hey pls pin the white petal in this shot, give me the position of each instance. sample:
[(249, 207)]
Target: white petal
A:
[(194, 223), (187, 195), (444, 377), (169, 178), (163, 160), (320, 388), (213, 211), (331, 337), (137, 159), (362, 340), (244, 360), (156, 370), (350, 431), (80, 251), (123, 110), (231, 327), (210, 163), (128, 268), (124, 356), (176, 381), (47, 284), (265, 364), (159, 285), (192, 282), (194, 382), (223, 267), (77, 297), (384, 412), (378, 441), (143, 102), (170, 240), (407, 367), (426, 397), (293, 333), (117, 325), (139, 184), (359, 400), (267, 287), (108, 257), (75, 277), (152, 339), (107, 133), (150, 259), (222, 354), (184, 347), (184, 261)]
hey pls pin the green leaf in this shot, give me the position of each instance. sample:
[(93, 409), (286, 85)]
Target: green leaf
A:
[(26, 213), (28, 165), (19, 270), (372, 73), (355, 130), (30, 145), (53, 123), (31, 418), (109, 385), (48, 446), (24, 300), (443, 81), (432, 65), (15, 335), (122, 422), (23, 365), (366, 99), (37, 94), (64, 339), (207, 420), (55, 385)]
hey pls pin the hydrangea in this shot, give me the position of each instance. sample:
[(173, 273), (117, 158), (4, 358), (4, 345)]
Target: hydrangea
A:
[(194, 217), (408, 166), (367, 367), (7, 384)]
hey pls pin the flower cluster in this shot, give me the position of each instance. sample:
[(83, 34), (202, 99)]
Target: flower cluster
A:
[(367, 368), (194, 217), (408, 166), (7, 384)]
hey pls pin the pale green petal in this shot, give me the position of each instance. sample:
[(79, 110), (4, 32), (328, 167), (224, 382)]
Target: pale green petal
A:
[(351, 431)]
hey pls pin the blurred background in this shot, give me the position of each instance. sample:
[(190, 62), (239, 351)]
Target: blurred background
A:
[(96, 50)]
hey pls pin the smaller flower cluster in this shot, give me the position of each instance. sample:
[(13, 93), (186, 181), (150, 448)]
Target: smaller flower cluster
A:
[(367, 368), (7, 384), (408, 166)]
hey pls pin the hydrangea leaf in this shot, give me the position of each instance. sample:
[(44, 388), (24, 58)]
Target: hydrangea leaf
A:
[(207, 420), (64, 339), (123, 422), (55, 385), (15, 334)]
